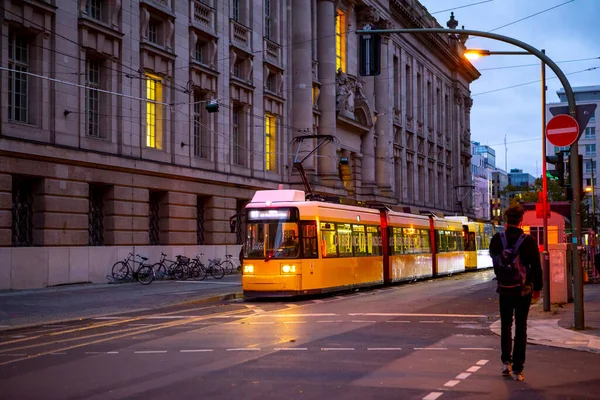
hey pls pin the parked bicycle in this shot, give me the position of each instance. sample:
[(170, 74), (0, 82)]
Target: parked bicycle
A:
[(178, 269), (143, 273), (199, 270)]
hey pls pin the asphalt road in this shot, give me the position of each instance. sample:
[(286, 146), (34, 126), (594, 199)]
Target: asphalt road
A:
[(426, 340)]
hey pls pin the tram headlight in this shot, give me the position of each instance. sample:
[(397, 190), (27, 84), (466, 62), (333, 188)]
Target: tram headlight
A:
[(288, 269), (248, 269)]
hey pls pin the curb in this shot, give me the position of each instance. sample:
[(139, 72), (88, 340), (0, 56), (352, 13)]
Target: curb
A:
[(203, 300)]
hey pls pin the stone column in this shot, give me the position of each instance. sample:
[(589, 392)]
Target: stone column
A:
[(5, 211), (326, 57), (302, 110), (178, 219), (126, 216), (383, 127), (368, 16), (61, 213)]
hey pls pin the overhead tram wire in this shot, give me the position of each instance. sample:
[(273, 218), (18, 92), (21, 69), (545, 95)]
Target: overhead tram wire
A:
[(530, 16), (459, 7), (537, 64)]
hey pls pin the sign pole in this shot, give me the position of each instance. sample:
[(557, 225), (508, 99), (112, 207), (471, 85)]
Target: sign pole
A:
[(545, 253)]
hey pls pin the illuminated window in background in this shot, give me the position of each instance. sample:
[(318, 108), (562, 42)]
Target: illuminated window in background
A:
[(270, 142), (153, 112), (340, 41)]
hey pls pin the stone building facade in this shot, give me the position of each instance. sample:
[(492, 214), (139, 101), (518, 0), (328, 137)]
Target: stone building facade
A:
[(145, 126)]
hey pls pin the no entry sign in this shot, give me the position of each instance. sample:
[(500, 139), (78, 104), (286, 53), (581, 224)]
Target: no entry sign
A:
[(562, 130)]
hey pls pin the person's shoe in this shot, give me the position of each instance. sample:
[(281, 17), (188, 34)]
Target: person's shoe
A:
[(518, 376), (506, 369)]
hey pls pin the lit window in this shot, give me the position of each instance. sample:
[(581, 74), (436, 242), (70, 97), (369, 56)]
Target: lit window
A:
[(153, 112), (18, 80), (340, 41), (270, 142)]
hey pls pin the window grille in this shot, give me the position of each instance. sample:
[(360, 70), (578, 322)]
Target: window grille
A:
[(154, 218), (240, 229), (22, 212), (200, 208), (96, 216)]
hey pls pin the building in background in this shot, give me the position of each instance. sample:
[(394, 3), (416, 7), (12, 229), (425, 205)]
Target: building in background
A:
[(520, 179), (588, 141), (108, 146), (482, 185), (500, 199)]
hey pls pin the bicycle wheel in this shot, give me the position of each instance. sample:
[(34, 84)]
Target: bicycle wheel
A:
[(160, 270), (120, 271), (179, 272), (228, 267), (217, 272), (197, 271), (145, 275)]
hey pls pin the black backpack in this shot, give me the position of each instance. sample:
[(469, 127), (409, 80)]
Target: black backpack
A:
[(510, 272)]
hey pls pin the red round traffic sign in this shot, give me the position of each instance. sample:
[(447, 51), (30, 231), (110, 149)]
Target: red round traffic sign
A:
[(562, 130)]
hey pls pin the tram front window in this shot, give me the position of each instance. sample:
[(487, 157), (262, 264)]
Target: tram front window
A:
[(272, 240)]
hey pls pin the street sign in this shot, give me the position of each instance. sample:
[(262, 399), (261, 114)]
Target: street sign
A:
[(562, 130), (584, 113)]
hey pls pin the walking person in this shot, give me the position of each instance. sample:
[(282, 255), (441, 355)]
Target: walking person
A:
[(518, 270)]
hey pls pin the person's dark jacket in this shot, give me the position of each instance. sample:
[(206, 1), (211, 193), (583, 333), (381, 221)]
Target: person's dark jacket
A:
[(529, 254)]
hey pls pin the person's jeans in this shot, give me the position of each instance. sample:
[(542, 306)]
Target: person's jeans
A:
[(519, 305)]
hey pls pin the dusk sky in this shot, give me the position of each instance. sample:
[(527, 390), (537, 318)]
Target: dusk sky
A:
[(568, 32)]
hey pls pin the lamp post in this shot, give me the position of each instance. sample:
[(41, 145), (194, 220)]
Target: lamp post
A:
[(473, 54)]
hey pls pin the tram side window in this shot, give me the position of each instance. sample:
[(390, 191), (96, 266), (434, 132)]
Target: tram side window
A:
[(344, 240), (442, 241), (359, 240), (309, 239), (328, 240), (452, 245), (425, 244), (397, 241), (373, 241)]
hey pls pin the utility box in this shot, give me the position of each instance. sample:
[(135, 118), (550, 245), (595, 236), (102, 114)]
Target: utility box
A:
[(560, 277)]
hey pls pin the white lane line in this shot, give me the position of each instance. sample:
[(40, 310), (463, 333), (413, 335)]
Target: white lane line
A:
[(324, 322), (431, 322), (245, 349), (337, 349), (290, 349), (451, 383), (384, 348), (294, 322), (433, 396), (195, 351), (473, 369), (150, 352), (477, 348), (299, 315), (464, 375), (18, 336), (482, 362), (418, 315), (430, 348), (112, 352), (364, 322), (398, 322)]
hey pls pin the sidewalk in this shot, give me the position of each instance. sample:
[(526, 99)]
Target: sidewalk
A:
[(555, 327), (19, 309)]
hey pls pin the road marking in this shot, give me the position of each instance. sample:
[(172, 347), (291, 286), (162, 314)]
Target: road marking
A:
[(294, 322), (477, 348), (261, 323), (482, 362), (299, 315), (364, 322), (433, 396), (419, 315), (464, 375), (150, 352), (245, 349), (430, 348), (318, 301), (196, 351), (18, 336), (290, 349), (399, 322), (383, 348), (451, 383), (473, 369), (324, 322), (337, 348), (112, 352), (431, 322)]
